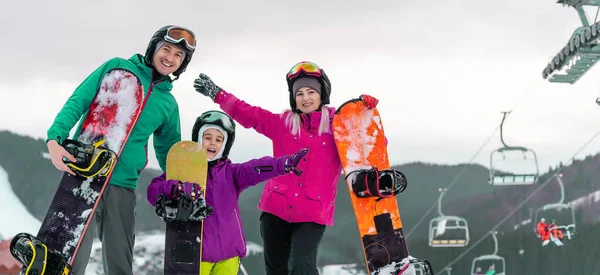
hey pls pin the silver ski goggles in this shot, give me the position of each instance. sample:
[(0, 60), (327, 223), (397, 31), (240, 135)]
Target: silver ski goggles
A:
[(177, 34), (218, 118)]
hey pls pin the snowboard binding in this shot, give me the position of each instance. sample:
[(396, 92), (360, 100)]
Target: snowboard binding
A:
[(385, 250), (36, 258), (183, 209), (425, 266), (91, 160), (403, 267), (377, 183)]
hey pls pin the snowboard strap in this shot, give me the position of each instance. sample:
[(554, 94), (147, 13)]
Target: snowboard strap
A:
[(36, 258), (183, 209), (377, 183), (37, 253), (38, 261), (91, 160)]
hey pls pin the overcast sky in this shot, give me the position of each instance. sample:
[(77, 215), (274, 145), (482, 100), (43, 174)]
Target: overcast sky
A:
[(443, 70)]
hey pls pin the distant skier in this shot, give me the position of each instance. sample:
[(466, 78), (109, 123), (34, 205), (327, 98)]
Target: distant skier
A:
[(555, 233), (542, 231), (491, 270), (478, 271)]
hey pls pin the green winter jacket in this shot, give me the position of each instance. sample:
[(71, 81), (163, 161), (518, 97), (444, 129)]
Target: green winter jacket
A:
[(160, 117)]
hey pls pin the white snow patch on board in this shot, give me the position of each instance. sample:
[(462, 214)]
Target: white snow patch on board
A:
[(127, 103), (86, 192)]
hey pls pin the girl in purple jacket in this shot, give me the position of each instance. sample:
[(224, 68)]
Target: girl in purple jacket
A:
[(295, 209), (223, 241)]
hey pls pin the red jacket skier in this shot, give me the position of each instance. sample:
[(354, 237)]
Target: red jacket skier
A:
[(542, 229)]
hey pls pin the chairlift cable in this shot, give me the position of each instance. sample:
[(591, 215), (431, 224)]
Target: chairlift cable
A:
[(523, 202), (455, 180), (529, 88)]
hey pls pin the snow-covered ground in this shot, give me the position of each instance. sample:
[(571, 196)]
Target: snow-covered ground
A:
[(14, 216), (149, 255), (148, 250)]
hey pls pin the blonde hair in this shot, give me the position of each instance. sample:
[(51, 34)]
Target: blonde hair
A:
[(294, 122)]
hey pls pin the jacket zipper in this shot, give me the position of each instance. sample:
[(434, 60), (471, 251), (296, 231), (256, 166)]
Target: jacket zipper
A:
[(259, 169), (152, 83), (239, 225)]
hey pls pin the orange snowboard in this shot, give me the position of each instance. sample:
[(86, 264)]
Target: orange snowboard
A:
[(361, 144)]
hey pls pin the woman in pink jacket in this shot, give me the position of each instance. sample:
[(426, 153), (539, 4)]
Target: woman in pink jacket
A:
[(295, 209)]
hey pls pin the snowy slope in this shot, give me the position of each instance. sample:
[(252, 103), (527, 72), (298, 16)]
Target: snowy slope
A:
[(149, 255), (14, 216)]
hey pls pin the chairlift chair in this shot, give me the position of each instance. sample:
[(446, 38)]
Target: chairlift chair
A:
[(445, 224), (484, 261), (496, 178), (567, 227)]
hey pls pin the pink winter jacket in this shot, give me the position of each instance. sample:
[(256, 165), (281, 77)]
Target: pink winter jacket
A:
[(306, 198)]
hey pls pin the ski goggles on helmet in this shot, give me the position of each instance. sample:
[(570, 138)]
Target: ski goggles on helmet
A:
[(177, 34), (377, 183), (218, 118), (307, 67)]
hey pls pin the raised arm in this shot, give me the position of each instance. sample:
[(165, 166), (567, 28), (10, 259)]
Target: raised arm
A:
[(255, 171), (261, 120)]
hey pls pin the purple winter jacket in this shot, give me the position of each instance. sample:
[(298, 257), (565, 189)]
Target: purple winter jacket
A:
[(223, 232)]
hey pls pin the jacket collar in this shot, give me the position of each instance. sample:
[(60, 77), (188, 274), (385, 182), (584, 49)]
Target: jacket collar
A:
[(310, 122), (148, 71)]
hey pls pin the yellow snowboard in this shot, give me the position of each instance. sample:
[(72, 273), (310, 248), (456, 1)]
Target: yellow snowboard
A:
[(186, 162)]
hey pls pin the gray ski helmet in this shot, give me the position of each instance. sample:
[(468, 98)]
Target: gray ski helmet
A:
[(220, 119), (161, 35), (322, 78)]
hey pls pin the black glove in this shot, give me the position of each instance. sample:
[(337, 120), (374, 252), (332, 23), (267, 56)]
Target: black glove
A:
[(204, 85), (292, 161), (200, 210), (182, 210)]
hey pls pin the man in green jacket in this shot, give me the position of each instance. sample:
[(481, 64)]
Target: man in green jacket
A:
[(167, 56)]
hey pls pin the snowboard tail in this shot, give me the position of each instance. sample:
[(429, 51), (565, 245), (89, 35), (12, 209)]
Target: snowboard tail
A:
[(183, 248), (35, 256), (362, 146), (186, 162), (112, 115)]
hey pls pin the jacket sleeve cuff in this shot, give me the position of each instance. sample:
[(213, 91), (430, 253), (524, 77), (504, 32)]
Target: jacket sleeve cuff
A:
[(280, 164), (55, 136), (221, 95)]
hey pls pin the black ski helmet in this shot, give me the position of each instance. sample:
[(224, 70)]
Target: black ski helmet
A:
[(160, 36), (323, 79), (220, 119)]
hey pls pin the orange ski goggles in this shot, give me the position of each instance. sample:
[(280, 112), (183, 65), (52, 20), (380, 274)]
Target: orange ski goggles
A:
[(307, 67), (177, 34)]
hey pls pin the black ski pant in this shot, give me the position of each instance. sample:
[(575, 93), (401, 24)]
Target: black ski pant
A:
[(290, 248)]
